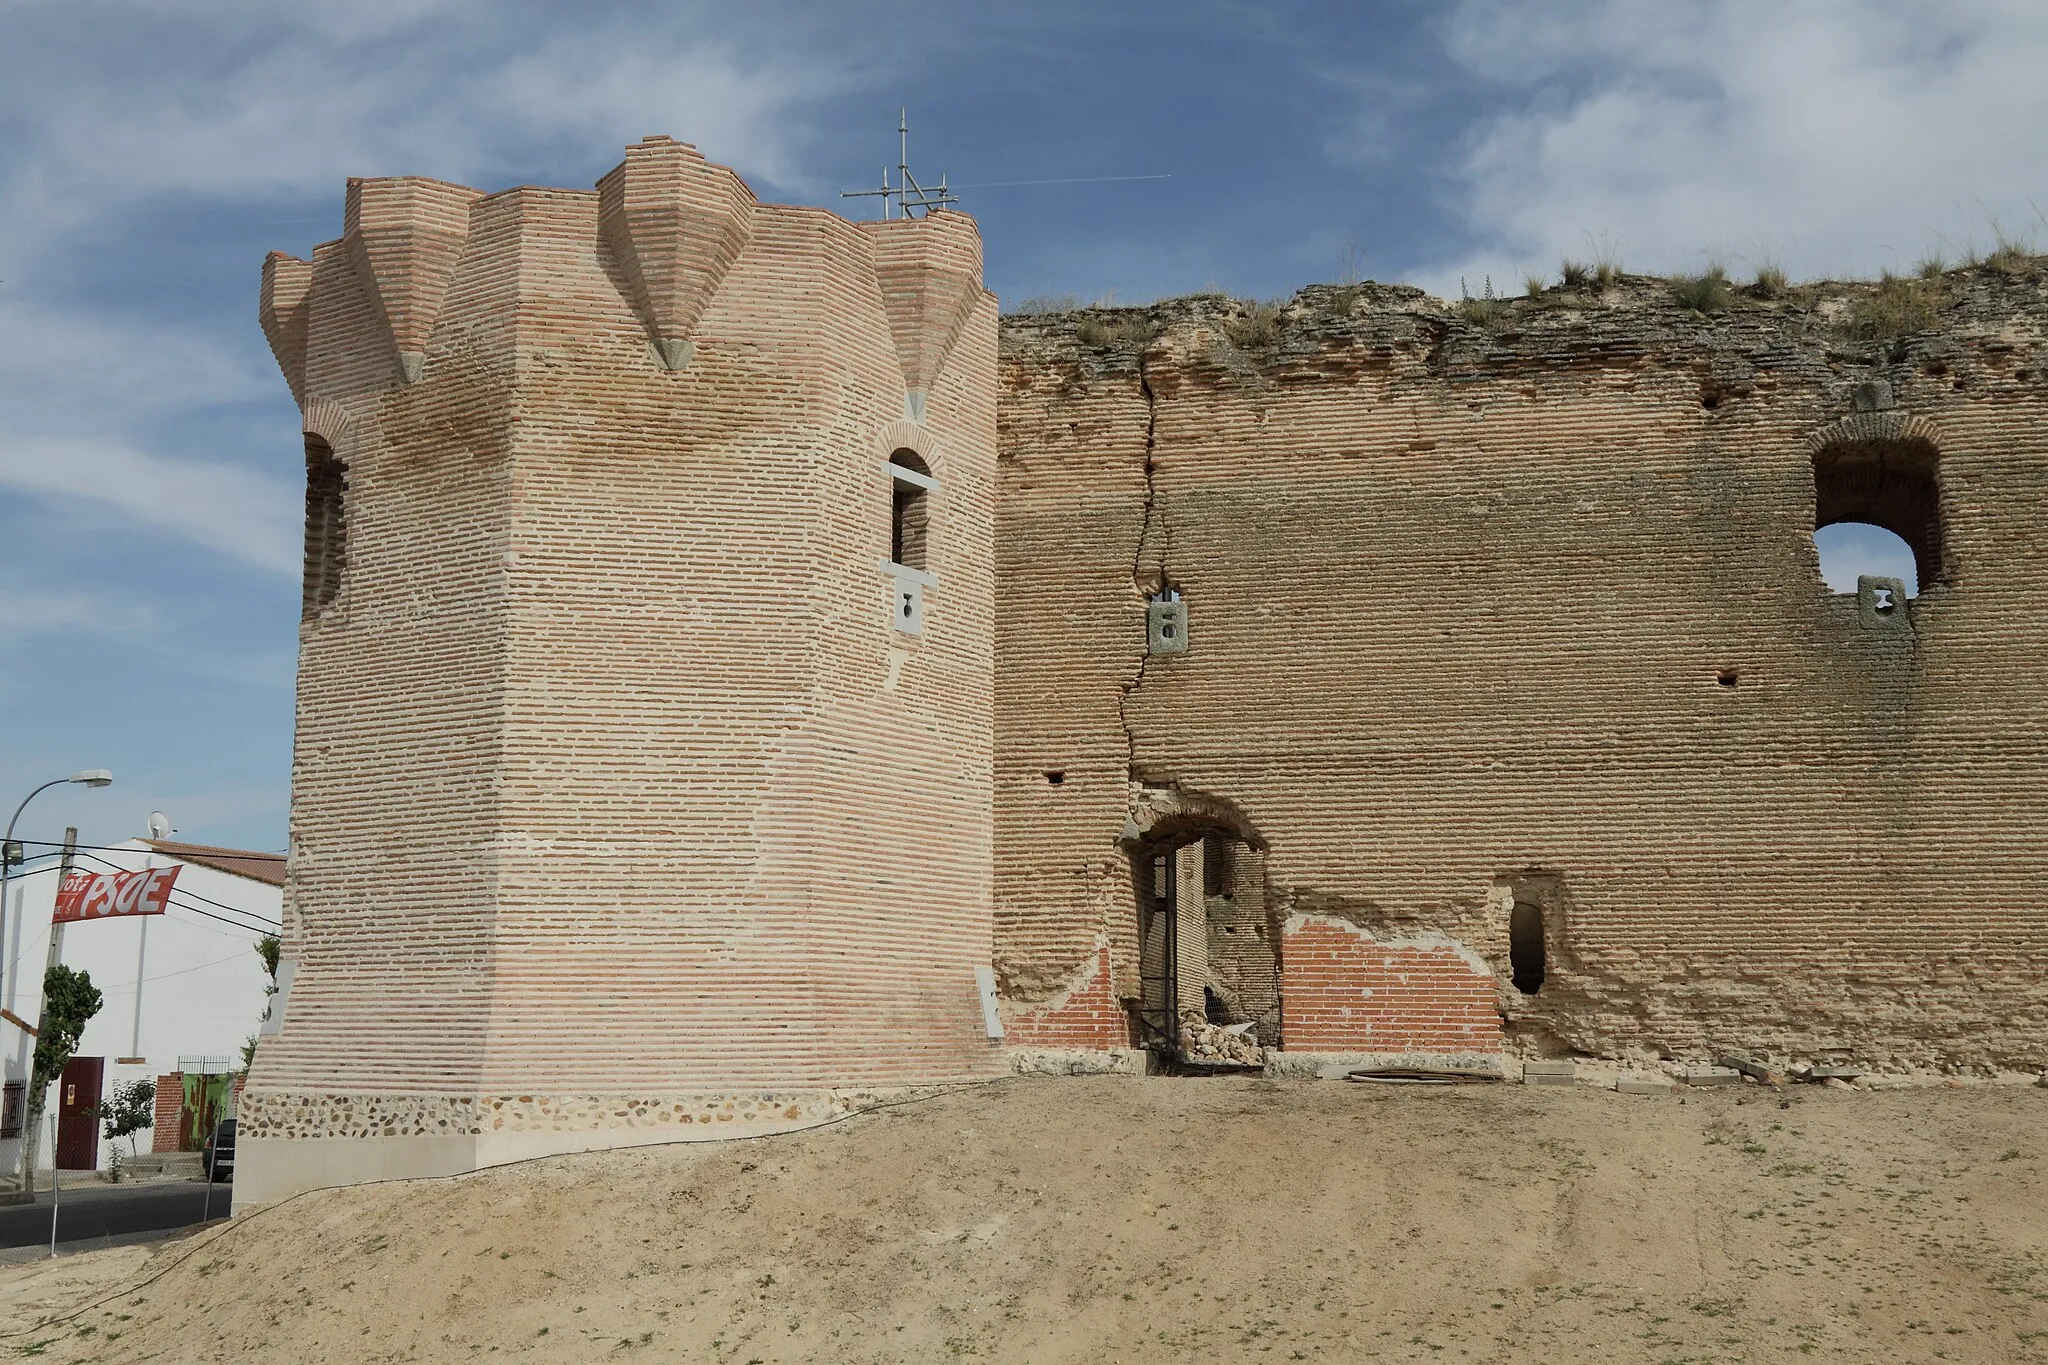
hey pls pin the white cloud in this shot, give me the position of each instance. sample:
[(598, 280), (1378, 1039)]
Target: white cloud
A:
[(70, 368), (27, 611), (110, 102), (225, 508), (113, 105), (1835, 138)]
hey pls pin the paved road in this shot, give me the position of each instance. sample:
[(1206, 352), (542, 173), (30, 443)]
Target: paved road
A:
[(95, 1214)]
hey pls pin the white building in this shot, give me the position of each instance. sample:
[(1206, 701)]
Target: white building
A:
[(176, 988)]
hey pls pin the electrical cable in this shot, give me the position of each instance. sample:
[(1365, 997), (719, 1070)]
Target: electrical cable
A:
[(126, 987), (177, 891), (119, 848)]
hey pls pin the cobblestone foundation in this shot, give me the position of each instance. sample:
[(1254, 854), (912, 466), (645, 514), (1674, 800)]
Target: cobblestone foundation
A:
[(294, 1114)]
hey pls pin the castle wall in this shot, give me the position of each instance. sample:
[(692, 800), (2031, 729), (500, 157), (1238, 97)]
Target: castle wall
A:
[(621, 810), (1521, 602)]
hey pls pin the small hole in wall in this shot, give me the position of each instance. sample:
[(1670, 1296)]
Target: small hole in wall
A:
[(1883, 601), (1055, 777), (1728, 677), (1710, 401), (1525, 947)]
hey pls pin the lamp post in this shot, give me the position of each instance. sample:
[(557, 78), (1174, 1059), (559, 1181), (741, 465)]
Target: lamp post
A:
[(90, 777)]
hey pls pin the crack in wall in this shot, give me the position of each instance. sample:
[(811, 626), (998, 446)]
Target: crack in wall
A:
[(1139, 579)]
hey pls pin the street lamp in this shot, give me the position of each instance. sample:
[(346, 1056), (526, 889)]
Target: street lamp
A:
[(90, 777)]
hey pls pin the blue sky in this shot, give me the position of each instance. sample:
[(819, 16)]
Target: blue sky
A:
[(151, 151)]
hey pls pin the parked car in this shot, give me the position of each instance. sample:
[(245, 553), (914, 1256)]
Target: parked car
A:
[(217, 1157)]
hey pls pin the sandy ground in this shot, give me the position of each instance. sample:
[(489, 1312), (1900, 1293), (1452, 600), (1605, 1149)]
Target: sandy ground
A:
[(1128, 1220)]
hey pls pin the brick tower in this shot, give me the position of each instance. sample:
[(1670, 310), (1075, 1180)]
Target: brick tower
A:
[(642, 782)]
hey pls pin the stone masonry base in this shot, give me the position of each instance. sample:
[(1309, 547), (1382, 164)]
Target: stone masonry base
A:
[(291, 1142), (1335, 1066)]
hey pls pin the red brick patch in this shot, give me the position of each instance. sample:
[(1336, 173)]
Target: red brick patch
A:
[(1344, 991), (1088, 1017)]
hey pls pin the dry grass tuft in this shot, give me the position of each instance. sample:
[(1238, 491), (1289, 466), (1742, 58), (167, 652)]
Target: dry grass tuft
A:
[(1038, 305), (1707, 292), (1257, 326), (1128, 330), (1897, 307), (1770, 281), (1481, 312)]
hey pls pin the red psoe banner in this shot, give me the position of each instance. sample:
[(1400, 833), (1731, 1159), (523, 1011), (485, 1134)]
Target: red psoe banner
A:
[(104, 895)]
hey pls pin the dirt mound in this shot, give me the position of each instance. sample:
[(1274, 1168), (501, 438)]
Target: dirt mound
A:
[(1155, 1220)]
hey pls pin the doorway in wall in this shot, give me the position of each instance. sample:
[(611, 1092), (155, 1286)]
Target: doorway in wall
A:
[(78, 1122), (1209, 960)]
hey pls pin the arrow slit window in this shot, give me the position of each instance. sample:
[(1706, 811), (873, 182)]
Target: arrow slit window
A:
[(910, 509)]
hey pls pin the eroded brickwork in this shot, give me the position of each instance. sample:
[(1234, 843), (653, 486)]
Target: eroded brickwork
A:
[(1087, 1016), (1521, 602), (613, 777)]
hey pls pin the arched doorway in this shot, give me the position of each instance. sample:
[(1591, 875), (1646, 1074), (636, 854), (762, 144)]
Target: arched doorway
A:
[(1209, 952)]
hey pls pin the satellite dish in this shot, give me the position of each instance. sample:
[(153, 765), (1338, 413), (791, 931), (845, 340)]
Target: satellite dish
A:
[(159, 825)]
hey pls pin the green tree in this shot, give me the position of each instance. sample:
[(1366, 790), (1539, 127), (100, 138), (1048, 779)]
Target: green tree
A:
[(130, 1109), (268, 948), (70, 1000)]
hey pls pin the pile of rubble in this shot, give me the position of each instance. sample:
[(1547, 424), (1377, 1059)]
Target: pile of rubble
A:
[(1233, 1043)]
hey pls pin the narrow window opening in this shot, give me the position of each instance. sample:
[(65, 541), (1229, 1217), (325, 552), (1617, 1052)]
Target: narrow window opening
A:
[(1055, 777), (1728, 677), (1525, 947), (1218, 870), (1877, 512), (910, 512), (326, 528)]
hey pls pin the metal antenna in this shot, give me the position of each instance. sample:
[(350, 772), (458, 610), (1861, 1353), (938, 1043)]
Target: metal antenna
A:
[(906, 198)]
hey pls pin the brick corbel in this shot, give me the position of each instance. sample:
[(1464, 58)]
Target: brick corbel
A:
[(674, 224), (929, 272), (403, 236)]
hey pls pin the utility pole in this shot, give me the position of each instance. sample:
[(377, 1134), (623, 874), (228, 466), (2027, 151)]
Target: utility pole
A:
[(141, 952), (30, 1129)]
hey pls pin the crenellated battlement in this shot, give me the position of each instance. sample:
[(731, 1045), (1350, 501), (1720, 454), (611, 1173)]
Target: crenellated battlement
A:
[(668, 228)]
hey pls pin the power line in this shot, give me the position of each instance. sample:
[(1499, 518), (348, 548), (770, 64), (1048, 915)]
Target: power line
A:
[(1064, 180), (178, 891), (127, 987), (235, 853)]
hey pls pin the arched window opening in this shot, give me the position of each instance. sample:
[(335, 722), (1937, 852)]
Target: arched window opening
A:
[(326, 528), (1880, 486), (1851, 549), (1525, 947), (910, 509)]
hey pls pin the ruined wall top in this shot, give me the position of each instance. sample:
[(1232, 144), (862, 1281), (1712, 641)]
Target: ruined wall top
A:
[(1863, 345)]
